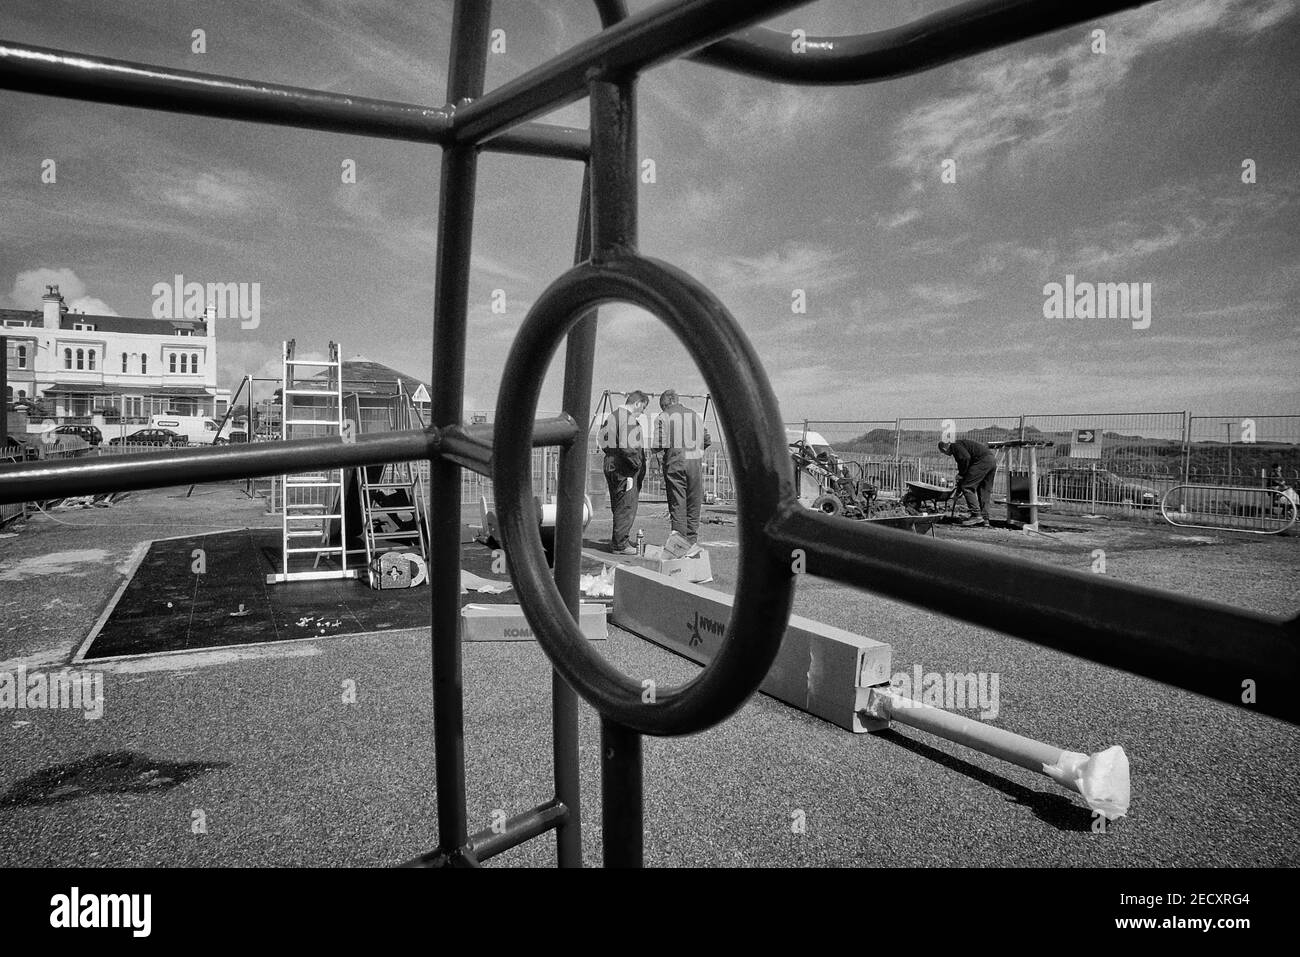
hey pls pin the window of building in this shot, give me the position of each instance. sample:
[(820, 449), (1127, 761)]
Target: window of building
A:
[(171, 363), (194, 362), (81, 360), (185, 363), (83, 326), (16, 323), (144, 364), (67, 358), (21, 356), (91, 360), (22, 394), (123, 361)]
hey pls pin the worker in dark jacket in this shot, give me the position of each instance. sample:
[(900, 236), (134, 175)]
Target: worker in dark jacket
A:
[(623, 439), (976, 469), (681, 439)]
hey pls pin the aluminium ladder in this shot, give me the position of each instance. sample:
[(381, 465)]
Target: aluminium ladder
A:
[(312, 407)]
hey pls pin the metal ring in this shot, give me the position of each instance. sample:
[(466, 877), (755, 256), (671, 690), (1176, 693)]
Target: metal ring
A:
[(747, 407)]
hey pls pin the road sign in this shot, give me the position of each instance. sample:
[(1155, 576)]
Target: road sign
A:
[(1086, 444)]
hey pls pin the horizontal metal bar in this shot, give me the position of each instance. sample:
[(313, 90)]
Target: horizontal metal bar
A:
[(61, 73), (641, 41), (119, 473), (471, 446), (1183, 641), (35, 481), (961, 31)]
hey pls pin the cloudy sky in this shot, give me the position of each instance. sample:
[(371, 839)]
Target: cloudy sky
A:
[(923, 297)]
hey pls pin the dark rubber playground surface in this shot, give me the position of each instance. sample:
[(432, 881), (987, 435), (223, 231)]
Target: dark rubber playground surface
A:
[(167, 607)]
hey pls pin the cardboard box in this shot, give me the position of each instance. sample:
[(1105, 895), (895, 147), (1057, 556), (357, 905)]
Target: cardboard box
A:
[(491, 622), (821, 669), (695, 568)]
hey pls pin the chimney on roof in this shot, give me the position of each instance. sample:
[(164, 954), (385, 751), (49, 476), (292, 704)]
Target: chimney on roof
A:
[(53, 307)]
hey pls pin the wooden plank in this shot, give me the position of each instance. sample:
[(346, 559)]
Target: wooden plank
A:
[(821, 669)]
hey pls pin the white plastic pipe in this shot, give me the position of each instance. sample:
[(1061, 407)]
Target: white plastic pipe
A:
[(1101, 778)]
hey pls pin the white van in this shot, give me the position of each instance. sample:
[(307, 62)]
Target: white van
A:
[(198, 429)]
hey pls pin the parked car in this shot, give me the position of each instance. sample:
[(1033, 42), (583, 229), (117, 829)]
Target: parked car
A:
[(158, 437), (89, 433), (1075, 483)]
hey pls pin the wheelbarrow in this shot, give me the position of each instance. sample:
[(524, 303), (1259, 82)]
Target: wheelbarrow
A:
[(923, 498)]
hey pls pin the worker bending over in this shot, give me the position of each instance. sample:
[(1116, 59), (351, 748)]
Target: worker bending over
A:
[(623, 439), (976, 469)]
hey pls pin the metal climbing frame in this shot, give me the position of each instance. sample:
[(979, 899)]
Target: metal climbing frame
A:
[(1196, 645)]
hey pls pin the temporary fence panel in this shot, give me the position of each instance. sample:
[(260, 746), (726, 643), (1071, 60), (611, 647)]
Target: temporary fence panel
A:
[(1112, 463), (1242, 450)]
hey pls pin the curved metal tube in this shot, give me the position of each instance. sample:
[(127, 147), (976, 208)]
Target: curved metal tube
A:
[(735, 375), (923, 44)]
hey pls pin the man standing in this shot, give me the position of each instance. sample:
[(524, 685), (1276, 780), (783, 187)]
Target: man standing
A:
[(623, 440), (976, 469), (682, 438)]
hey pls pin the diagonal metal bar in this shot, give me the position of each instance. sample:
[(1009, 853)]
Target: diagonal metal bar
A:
[(641, 41), (961, 31), (1192, 644), (49, 72)]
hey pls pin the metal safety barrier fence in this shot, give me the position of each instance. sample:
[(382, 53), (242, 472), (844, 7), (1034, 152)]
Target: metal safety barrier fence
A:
[(1193, 644), (1261, 510)]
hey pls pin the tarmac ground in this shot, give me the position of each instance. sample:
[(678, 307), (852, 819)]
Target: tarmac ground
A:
[(319, 752)]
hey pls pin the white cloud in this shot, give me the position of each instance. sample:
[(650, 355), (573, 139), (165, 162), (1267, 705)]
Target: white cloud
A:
[(1021, 102), (29, 286), (92, 306), (209, 192), (946, 294), (796, 265)]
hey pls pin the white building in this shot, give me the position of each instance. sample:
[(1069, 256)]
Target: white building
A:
[(74, 367)]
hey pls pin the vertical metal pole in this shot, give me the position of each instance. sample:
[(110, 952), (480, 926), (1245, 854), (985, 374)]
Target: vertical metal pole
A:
[(579, 359), (1187, 448), (1228, 427), (613, 217), (469, 36), (621, 794)]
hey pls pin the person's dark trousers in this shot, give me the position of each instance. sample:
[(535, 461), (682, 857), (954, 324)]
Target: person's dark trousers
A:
[(977, 486), (623, 502), (685, 496)]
